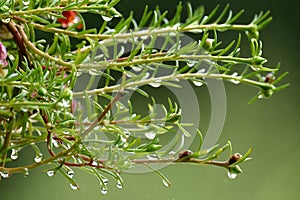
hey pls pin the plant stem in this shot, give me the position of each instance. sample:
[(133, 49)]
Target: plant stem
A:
[(172, 77), (105, 111), (35, 165)]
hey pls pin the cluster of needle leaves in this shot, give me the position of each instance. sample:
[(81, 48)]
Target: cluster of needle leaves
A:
[(39, 102)]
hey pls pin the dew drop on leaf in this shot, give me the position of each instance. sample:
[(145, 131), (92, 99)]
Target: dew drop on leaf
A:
[(5, 174), (106, 18), (105, 181), (166, 183), (234, 81), (155, 84), (137, 68), (74, 187), (150, 135), (103, 190), (191, 63), (50, 173), (14, 154), (198, 83), (70, 173), (119, 185), (231, 175), (38, 158), (25, 172)]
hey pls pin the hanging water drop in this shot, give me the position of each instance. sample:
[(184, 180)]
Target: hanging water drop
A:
[(147, 74), (231, 175), (150, 135), (234, 80), (155, 84), (201, 71), (198, 83), (25, 172), (5, 174), (123, 139), (106, 18), (50, 173), (6, 20), (137, 68), (93, 72), (70, 173), (119, 184), (74, 186), (55, 143), (14, 154), (166, 183), (38, 158), (191, 63), (103, 190), (105, 181)]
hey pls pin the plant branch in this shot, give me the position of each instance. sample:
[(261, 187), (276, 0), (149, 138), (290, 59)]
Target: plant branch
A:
[(170, 78), (105, 111)]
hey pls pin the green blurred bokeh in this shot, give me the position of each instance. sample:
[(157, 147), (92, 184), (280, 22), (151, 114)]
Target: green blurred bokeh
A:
[(270, 126)]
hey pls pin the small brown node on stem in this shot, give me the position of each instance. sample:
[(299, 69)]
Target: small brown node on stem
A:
[(184, 154), (234, 158)]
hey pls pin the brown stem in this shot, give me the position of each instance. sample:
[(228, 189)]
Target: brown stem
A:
[(11, 26), (105, 111)]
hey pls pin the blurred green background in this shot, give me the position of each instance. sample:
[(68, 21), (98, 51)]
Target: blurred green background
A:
[(270, 126)]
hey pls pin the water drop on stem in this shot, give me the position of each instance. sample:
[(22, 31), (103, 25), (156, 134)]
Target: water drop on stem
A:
[(103, 190), (14, 154), (198, 83), (166, 183), (5, 174), (50, 173), (70, 173), (74, 186), (25, 172), (106, 18), (38, 158), (119, 185), (231, 175)]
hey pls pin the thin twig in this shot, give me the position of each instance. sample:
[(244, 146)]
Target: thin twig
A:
[(101, 116)]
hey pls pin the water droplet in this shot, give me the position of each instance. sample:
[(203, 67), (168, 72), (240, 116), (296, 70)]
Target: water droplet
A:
[(191, 63), (103, 190), (5, 174), (147, 74), (201, 71), (264, 94), (155, 84), (50, 173), (231, 175), (137, 68), (25, 172), (119, 185), (74, 186), (6, 20), (70, 173), (14, 154), (144, 37), (38, 158), (95, 163), (106, 18), (94, 72), (123, 139), (198, 83), (55, 143), (105, 181), (152, 157), (150, 135), (166, 183)]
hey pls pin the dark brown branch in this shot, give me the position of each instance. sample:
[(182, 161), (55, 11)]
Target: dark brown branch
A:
[(105, 111), (11, 27)]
